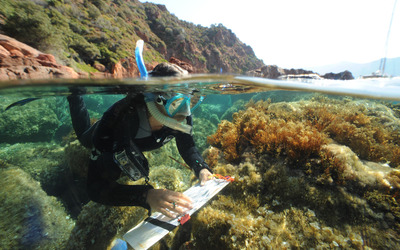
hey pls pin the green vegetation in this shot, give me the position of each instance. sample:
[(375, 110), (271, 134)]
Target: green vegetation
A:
[(27, 22), (86, 68), (105, 31)]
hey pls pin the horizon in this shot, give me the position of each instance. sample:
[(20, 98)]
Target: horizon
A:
[(311, 33)]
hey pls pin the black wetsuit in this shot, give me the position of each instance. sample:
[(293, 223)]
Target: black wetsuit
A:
[(126, 119)]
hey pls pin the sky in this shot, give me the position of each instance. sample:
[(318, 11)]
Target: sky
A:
[(302, 33)]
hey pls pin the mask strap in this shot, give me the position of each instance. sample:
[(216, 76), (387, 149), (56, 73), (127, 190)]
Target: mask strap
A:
[(197, 104)]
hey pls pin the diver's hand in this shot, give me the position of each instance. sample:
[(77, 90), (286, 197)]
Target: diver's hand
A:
[(168, 202), (204, 176)]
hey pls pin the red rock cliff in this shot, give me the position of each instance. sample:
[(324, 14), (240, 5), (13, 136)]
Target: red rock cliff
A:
[(20, 61)]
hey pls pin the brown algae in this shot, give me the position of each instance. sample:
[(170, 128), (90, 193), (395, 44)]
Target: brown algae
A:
[(318, 173)]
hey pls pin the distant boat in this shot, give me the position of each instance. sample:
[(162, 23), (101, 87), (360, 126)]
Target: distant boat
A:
[(377, 74), (380, 73)]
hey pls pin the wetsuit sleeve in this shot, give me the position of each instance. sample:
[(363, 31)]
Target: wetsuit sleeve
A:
[(103, 136), (189, 151), (103, 188), (80, 120)]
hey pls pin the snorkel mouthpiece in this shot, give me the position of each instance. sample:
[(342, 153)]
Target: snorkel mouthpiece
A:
[(166, 120), (139, 59)]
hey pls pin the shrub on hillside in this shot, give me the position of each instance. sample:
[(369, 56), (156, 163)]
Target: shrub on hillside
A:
[(29, 24)]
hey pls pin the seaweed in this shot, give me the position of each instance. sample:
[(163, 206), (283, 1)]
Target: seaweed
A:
[(298, 130), (262, 130), (309, 174), (227, 139)]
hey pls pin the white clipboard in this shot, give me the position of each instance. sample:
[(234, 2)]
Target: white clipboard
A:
[(147, 233)]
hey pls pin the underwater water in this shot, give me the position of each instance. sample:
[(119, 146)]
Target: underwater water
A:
[(316, 165)]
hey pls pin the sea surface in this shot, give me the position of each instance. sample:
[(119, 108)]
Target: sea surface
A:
[(316, 164)]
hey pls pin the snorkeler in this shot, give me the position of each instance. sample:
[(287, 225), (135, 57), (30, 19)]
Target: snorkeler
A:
[(137, 123)]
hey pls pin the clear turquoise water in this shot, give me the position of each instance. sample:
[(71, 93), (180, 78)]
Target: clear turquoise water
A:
[(43, 202)]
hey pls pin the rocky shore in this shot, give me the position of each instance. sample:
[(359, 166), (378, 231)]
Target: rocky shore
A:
[(275, 72), (20, 61)]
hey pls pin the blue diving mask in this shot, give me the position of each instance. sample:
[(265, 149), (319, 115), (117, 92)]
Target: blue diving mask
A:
[(179, 104)]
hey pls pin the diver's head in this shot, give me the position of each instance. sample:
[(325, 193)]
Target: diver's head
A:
[(176, 106), (169, 109), (167, 69)]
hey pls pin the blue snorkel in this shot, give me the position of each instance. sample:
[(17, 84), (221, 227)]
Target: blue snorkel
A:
[(139, 59)]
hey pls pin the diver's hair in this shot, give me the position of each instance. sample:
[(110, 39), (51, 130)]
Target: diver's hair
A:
[(167, 69), (136, 99)]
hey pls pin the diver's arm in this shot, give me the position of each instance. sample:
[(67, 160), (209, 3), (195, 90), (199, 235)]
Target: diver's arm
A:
[(114, 194), (189, 152), (103, 188), (80, 119)]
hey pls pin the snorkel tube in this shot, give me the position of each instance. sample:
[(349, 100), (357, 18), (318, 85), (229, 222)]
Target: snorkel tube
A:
[(150, 98), (139, 59)]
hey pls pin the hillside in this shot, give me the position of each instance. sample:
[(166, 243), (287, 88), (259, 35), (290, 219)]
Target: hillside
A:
[(94, 35)]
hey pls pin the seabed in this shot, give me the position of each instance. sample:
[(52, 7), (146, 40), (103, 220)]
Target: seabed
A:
[(311, 171)]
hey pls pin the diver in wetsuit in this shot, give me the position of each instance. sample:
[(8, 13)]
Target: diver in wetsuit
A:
[(132, 125)]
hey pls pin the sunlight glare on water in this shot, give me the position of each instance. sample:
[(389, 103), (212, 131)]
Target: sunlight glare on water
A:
[(378, 88)]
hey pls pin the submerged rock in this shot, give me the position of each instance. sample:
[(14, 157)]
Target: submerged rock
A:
[(30, 218), (33, 122), (362, 174), (44, 162), (98, 225)]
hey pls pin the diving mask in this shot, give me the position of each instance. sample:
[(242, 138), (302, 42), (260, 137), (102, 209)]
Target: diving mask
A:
[(179, 104)]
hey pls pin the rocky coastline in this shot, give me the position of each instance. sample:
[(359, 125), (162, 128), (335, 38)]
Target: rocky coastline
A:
[(21, 61), (275, 72)]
